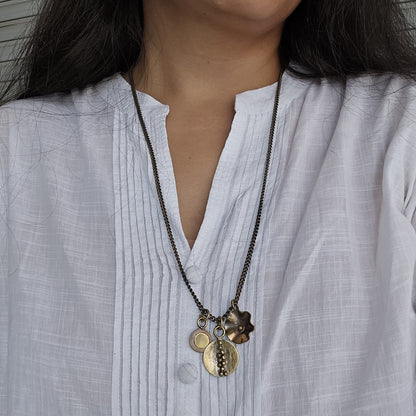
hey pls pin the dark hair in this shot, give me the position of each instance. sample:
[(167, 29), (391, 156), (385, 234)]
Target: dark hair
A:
[(76, 43)]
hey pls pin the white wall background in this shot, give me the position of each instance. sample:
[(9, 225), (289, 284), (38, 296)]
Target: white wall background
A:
[(17, 15)]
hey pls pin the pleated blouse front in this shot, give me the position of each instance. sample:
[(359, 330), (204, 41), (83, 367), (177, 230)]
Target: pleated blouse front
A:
[(94, 315)]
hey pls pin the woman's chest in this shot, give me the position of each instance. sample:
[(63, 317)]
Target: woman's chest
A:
[(320, 278)]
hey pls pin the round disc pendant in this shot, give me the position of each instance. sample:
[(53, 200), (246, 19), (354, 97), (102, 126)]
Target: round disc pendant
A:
[(220, 358), (199, 339)]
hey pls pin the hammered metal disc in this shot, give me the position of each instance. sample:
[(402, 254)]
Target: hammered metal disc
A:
[(199, 339), (238, 326), (210, 357)]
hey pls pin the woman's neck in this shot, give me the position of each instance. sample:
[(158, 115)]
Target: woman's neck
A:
[(197, 55)]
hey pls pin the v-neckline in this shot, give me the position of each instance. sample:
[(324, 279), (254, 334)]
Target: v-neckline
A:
[(250, 103), (210, 226)]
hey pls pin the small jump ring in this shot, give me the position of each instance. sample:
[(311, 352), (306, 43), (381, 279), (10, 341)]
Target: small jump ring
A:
[(219, 332), (202, 322)]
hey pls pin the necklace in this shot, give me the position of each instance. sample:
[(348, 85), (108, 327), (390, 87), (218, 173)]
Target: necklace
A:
[(220, 357)]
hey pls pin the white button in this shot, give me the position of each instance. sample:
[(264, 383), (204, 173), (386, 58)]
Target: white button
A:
[(187, 373), (193, 275)]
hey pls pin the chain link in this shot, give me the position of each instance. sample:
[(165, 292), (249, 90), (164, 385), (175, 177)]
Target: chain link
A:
[(234, 302)]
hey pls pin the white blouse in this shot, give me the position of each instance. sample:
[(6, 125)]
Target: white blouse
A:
[(94, 315)]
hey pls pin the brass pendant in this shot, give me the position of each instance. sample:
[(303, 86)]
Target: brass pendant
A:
[(220, 356), (238, 326), (200, 338)]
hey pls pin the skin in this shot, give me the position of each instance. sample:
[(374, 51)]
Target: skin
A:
[(199, 55)]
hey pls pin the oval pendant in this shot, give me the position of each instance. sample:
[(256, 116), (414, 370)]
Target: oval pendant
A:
[(199, 339), (220, 358)]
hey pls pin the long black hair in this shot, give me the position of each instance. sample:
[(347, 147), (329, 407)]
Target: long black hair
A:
[(79, 42)]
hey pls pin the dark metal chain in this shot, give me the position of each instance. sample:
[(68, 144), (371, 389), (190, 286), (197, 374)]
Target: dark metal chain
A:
[(234, 303)]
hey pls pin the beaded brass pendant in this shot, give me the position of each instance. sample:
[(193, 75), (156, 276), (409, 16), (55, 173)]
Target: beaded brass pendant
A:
[(220, 356)]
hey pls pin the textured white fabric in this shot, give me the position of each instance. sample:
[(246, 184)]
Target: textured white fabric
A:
[(94, 316)]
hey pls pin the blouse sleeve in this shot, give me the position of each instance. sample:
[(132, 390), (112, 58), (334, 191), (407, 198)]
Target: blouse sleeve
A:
[(398, 190), (413, 221), (410, 201)]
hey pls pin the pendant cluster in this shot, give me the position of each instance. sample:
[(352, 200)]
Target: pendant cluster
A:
[(220, 357)]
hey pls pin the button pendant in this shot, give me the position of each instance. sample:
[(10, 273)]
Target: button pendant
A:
[(199, 339)]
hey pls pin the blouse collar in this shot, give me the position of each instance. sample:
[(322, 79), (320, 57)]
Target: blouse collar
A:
[(256, 101)]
